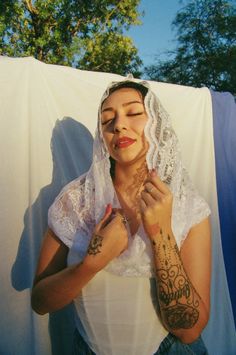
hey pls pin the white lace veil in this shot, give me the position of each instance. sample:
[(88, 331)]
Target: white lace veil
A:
[(163, 154), (82, 203)]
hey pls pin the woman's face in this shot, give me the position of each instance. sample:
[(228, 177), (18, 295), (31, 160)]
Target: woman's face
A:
[(123, 120)]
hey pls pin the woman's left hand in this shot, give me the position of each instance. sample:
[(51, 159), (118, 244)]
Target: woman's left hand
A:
[(156, 205)]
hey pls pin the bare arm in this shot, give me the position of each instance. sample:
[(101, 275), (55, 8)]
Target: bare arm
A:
[(183, 281), (57, 284), (183, 277)]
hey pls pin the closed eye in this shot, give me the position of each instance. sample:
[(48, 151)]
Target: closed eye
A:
[(135, 114), (128, 115), (105, 122)]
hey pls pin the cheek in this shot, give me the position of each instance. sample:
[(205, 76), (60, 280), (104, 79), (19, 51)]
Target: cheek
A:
[(139, 127)]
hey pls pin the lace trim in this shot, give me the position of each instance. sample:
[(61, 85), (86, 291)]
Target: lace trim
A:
[(69, 213)]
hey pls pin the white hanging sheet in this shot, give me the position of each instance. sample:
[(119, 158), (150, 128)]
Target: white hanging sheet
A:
[(48, 118)]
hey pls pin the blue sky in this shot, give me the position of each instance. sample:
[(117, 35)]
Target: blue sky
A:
[(155, 36)]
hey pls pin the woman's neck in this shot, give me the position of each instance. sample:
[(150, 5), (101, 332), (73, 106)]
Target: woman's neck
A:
[(128, 183), (130, 178)]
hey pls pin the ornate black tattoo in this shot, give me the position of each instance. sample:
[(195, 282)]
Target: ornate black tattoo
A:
[(173, 285), (181, 316), (95, 245), (178, 299)]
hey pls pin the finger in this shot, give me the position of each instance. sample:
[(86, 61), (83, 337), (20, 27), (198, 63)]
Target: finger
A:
[(108, 210), (116, 211), (120, 218), (142, 205), (157, 182), (153, 191), (147, 198), (106, 218), (120, 213)]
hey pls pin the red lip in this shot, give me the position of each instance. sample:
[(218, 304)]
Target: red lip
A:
[(124, 142)]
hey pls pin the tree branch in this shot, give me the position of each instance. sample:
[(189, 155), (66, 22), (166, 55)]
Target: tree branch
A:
[(30, 7), (75, 29)]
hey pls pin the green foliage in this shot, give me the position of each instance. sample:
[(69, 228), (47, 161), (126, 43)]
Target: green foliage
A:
[(206, 51), (110, 50), (80, 33)]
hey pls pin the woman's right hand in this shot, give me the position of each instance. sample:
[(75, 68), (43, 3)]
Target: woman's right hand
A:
[(109, 240)]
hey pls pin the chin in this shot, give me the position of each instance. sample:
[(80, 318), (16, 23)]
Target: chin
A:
[(130, 160)]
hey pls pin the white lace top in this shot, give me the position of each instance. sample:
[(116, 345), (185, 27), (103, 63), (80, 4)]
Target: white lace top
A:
[(74, 225)]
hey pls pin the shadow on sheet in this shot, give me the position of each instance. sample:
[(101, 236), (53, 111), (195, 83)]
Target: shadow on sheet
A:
[(71, 146)]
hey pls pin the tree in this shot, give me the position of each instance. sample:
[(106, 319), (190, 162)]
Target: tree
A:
[(206, 51), (79, 33)]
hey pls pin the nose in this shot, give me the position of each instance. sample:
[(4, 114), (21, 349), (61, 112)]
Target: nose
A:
[(119, 123)]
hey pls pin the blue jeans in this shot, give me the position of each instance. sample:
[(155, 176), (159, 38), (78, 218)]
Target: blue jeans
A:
[(173, 346), (169, 346)]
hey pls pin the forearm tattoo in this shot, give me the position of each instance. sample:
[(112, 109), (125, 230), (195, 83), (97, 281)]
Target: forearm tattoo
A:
[(179, 302), (95, 245)]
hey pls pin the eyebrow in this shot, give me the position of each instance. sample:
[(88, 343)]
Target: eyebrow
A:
[(125, 104)]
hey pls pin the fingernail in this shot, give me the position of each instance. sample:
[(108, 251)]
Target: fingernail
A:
[(153, 172), (108, 208)]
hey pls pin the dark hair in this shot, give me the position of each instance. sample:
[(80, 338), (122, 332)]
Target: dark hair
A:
[(120, 85), (112, 167), (129, 84)]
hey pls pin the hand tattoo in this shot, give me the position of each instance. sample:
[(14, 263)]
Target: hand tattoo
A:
[(95, 245)]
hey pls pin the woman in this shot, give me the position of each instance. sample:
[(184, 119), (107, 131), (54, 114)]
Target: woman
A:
[(129, 241)]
